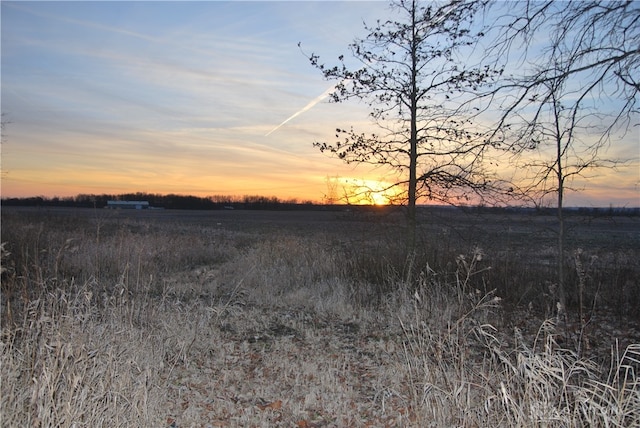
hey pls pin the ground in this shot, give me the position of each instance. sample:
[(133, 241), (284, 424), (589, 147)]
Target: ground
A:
[(314, 319)]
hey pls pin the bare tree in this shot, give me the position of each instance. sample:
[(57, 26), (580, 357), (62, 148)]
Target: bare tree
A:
[(564, 149), (412, 76), (332, 190), (574, 84)]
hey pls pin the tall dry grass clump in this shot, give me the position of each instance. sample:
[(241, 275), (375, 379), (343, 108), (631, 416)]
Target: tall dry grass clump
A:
[(87, 317), (62, 367), (462, 370), (547, 385)]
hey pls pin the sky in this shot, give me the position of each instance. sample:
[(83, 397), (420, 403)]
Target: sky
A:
[(198, 98)]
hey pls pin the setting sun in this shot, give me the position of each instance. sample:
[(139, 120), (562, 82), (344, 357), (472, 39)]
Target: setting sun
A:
[(368, 192), (379, 199)]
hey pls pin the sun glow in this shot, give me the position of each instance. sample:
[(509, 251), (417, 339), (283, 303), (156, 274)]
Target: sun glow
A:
[(379, 199), (368, 192)]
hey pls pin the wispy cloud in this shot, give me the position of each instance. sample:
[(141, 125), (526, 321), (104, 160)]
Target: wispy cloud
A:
[(68, 20)]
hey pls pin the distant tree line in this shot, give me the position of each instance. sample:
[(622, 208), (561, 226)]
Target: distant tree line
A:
[(170, 201), (255, 202)]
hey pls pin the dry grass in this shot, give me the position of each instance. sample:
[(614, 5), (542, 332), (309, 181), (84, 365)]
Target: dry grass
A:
[(179, 326)]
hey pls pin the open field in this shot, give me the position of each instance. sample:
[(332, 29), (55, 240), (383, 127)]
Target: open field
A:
[(315, 319)]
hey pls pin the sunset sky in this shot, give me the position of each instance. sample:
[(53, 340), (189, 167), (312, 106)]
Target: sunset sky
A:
[(199, 98)]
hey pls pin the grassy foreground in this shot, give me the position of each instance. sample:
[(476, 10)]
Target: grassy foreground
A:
[(113, 320)]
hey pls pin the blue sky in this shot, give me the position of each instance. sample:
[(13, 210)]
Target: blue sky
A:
[(180, 97)]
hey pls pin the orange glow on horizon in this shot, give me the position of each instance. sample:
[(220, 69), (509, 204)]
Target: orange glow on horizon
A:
[(300, 178), (21, 189), (312, 189)]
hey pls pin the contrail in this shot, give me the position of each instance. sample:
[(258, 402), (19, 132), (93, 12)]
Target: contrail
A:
[(303, 109)]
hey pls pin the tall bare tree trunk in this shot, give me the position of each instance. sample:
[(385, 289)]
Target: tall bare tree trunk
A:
[(560, 174), (413, 151)]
